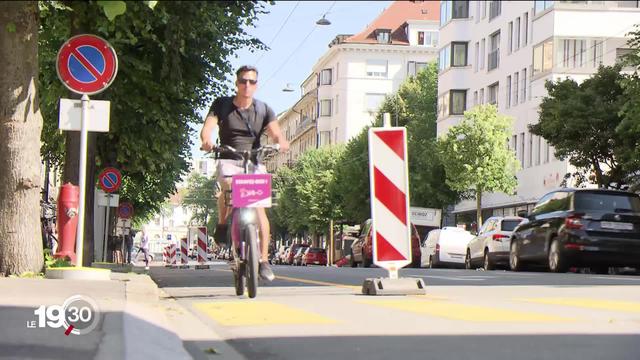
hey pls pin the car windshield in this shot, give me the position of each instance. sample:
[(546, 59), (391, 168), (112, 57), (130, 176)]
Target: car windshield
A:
[(509, 225), (586, 201)]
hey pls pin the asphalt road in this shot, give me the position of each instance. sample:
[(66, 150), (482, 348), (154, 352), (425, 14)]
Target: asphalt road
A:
[(319, 313)]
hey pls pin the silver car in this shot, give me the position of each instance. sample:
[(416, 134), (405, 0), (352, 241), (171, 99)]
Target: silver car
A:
[(491, 246)]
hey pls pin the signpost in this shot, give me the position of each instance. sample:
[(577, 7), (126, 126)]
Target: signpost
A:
[(391, 226), (86, 65), (109, 180)]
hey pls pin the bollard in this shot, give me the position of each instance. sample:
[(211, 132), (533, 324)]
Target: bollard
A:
[(67, 221)]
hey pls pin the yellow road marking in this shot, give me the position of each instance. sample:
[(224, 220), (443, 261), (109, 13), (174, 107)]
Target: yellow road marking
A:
[(314, 282), (464, 312), (251, 313), (624, 306)]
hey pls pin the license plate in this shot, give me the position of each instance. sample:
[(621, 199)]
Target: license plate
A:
[(616, 225)]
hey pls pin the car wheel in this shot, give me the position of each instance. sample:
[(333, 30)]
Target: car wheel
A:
[(600, 270), (467, 260), (365, 262), (514, 257), (557, 261), (488, 264), (432, 262)]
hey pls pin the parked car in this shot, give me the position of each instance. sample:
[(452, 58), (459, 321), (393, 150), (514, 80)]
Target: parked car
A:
[(567, 228), (362, 248), (445, 247), (315, 256), (297, 258), (491, 246), (292, 252)]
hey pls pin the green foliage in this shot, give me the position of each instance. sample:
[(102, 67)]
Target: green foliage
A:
[(475, 153), (200, 198), (172, 60), (583, 123), (113, 8), (352, 179), (51, 262)]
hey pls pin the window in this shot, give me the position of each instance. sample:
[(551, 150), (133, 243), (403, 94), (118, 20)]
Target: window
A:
[(373, 102), (459, 56), (443, 105), (516, 81), (510, 38), (458, 102), (621, 54), (493, 94), (524, 85), (475, 98), (543, 57), (336, 103), (546, 152), (383, 36), (530, 159), (525, 29), (542, 5), (453, 10), (530, 81), (596, 56), (444, 60), (516, 35), (522, 149), (431, 38), (478, 5), (508, 93), (325, 77), (482, 54), (420, 37), (376, 68), (325, 107), (481, 96), (572, 53), (484, 8), (514, 144), (476, 64), (413, 67), (494, 54), (495, 8), (538, 149)]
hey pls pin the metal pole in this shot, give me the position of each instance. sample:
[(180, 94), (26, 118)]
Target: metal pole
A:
[(331, 244), (106, 228), (82, 174), (386, 120)]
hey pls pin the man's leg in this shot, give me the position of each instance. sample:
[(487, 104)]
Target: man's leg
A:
[(223, 211), (265, 235)]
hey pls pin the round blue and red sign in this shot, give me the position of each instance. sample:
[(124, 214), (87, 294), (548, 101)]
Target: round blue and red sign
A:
[(125, 210), (87, 64), (110, 179)]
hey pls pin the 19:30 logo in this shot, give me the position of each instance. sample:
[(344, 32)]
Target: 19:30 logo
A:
[(78, 315)]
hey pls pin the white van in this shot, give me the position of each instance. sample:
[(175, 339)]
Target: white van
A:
[(446, 246)]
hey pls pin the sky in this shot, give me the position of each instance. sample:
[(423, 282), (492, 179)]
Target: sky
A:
[(295, 45)]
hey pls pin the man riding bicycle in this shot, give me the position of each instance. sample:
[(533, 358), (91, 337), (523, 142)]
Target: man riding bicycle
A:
[(241, 120)]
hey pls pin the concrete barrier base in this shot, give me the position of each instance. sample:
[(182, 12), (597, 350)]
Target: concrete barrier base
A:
[(401, 286)]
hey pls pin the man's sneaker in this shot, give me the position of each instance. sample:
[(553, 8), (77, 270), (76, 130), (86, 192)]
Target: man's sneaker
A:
[(265, 271), (220, 235)]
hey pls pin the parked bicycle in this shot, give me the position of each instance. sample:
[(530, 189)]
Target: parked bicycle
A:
[(243, 222), (48, 226)]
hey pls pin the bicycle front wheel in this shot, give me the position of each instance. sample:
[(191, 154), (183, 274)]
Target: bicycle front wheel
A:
[(253, 255)]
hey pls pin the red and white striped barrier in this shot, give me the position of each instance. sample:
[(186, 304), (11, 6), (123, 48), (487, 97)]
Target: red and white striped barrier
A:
[(202, 245), (184, 251), (389, 177)]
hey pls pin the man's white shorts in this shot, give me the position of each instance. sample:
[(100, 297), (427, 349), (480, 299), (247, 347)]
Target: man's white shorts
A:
[(228, 168)]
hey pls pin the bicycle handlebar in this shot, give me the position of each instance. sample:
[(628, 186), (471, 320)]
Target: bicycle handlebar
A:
[(262, 151)]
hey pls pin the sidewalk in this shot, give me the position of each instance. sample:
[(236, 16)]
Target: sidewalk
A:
[(132, 324)]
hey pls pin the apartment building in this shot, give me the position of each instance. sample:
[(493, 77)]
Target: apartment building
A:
[(502, 53), (349, 82)]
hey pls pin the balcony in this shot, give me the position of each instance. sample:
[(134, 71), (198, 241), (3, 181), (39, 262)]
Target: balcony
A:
[(493, 59), (304, 125)]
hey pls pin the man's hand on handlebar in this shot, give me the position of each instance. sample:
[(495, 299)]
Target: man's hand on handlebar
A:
[(207, 145)]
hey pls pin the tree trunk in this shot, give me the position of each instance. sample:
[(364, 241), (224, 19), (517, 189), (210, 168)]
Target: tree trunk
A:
[(20, 128), (478, 208)]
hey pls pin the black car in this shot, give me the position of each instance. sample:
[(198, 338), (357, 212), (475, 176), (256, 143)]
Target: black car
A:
[(593, 228)]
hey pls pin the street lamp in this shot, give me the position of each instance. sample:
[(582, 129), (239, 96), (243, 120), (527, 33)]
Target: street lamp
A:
[(323, 21), (288, 88)]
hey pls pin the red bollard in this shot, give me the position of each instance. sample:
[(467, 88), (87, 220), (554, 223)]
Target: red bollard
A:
[(68, 200)]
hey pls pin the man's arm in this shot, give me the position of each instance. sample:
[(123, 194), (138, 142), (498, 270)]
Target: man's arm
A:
[(274, 132), (210, 123)]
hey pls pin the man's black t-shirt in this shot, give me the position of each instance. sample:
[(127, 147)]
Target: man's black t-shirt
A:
[(232, 122)]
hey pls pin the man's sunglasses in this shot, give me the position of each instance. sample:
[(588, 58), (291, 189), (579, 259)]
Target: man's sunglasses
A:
[(247, 81)]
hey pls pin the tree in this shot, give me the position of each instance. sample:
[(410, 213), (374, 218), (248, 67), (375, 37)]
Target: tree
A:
[(476, 157), (200, 197), (20, 126), (583, 123), (351, 185)]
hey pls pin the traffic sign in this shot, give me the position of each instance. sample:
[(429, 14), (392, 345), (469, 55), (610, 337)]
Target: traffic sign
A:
[(87, 64), (110, 179), (389, 181), (70, 116), (125, 210)]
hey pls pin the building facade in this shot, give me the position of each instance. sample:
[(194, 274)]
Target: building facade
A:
[(502, 53)]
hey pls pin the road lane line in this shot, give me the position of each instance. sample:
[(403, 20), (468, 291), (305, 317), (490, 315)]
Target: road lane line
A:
[(314, 282), (258, 313), (448, 278), (465, 312), (599, 304)]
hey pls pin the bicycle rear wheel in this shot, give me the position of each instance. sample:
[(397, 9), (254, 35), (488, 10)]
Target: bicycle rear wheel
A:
[(251, 242)]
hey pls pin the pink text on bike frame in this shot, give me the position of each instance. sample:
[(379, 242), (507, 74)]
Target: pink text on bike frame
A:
[(251, 190)]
